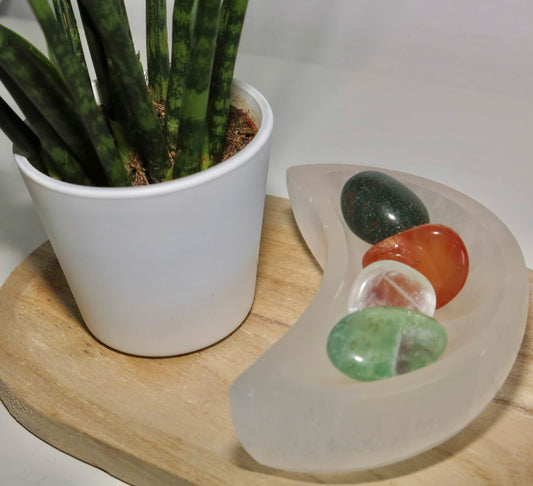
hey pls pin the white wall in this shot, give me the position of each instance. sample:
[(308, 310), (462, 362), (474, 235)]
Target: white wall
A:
[(395, 35)]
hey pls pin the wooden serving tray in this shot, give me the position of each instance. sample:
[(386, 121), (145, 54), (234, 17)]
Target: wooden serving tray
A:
[(167, 421)]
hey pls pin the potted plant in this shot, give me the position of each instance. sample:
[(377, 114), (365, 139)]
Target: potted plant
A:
[(158, 238)]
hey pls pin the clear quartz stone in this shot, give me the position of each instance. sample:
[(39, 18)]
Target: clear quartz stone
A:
[(390, 283)]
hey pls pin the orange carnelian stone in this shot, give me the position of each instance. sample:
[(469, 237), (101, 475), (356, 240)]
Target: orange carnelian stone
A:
[(434, 250)]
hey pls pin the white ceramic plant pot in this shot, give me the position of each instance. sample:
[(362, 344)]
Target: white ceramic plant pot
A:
[(169, 268)]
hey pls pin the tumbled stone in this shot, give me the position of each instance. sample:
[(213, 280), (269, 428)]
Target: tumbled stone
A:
[(381, 342), (435, 250), (376, 206), (391, 283)]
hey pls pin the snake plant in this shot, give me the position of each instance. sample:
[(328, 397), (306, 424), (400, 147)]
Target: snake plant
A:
[(166, 124)]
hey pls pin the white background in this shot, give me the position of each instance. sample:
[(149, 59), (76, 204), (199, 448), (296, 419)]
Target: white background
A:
[(438, 89)]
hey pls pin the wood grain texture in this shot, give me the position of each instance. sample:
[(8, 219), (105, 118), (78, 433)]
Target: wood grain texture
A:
[(167, 420)]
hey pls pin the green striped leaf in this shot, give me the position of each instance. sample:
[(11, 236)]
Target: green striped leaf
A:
[(232, 19), (22, 136), (182, 22), (60, 162), (196, 94), (66, 18), (120, 8), (48, 94), (79, 83), (157, 48), (121, 54)]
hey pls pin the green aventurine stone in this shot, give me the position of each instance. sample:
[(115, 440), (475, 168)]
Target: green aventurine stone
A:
[(376, 206), (380, 342)]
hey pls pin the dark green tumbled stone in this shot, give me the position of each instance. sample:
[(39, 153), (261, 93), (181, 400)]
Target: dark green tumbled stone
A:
[(381, 342), (376, 206)]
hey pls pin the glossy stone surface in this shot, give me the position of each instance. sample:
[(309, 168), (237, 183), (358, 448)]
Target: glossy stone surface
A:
[(435, 250), (391, 283), (376, 206), (381, 342)]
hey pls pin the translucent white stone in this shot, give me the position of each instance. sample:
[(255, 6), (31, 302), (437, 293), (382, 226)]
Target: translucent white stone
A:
[(293, 410), (390, 283)]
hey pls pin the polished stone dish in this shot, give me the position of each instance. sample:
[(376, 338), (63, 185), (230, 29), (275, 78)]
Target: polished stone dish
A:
[(293, 410)]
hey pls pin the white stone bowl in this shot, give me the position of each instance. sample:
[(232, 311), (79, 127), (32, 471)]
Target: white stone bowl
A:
[(293, 410)]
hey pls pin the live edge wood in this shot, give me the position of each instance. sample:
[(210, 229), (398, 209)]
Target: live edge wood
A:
[(167, 421)]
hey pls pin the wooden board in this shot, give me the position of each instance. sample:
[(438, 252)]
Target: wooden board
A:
[(167, 421)]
